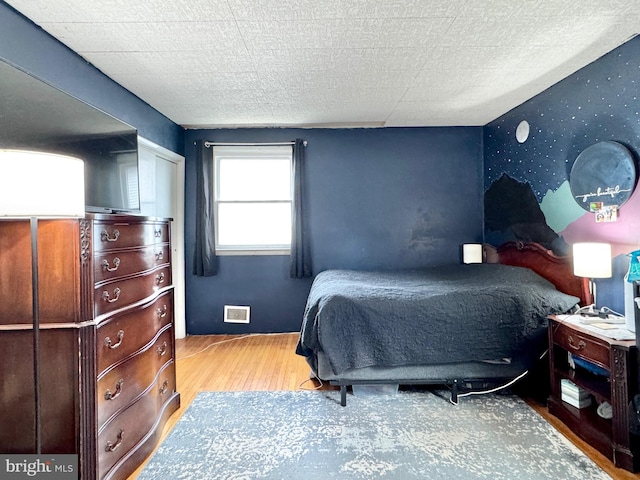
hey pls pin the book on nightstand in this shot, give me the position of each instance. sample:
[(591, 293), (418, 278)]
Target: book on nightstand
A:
[(576, 402), (574, 395)]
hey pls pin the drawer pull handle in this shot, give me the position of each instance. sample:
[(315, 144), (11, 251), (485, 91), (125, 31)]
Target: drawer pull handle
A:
[(104, 236), (164, 387), (160, 278), (161, 312), (112, 396), (107, 298), (112, 447), (159, 255), (579, 346), (107, 341), (108, 268), (162, 350), (157, 233)]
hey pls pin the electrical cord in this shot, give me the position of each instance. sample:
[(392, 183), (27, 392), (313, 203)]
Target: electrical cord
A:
[(300, 386), (226, 341), (608, 311), (590, 310), (312, 376), (491, 390), (499, 387), (321, 384)]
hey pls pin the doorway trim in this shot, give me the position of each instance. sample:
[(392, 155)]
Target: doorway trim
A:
[(177, 232)]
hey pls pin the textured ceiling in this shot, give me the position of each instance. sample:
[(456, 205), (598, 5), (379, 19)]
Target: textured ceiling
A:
[(233, 63)]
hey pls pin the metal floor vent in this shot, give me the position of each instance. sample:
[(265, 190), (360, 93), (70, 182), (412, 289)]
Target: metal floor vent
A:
[(236, 314)]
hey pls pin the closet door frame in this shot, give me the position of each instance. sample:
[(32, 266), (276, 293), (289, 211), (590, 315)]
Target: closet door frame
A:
[(177, 230)]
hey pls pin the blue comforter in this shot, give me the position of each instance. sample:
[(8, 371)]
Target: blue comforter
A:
[(449, 314)]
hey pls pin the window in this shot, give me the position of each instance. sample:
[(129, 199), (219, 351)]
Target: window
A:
[(128, 165), (252, 199)]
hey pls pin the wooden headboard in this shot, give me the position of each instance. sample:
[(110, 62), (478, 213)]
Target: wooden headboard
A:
[(558, 270)]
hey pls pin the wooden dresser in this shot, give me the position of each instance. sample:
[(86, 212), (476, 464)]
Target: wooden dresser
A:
[(106, 340)]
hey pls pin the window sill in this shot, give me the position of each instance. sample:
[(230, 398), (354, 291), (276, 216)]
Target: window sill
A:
[(231, 253)]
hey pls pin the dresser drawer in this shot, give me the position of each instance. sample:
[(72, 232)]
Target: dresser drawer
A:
[(110, 296), (583, 345), (108, 236), (123, 335), (117, 437), (166, 384), (122, 383), (115, 264)]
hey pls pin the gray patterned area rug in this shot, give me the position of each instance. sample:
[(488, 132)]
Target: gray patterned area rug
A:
[(411, 435)]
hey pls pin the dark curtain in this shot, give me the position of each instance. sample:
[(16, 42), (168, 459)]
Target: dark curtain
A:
[(205, 263), (300, 266)]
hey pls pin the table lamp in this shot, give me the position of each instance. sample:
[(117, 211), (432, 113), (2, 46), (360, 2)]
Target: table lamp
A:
[(592, 260), (39, 185), (472, 253)]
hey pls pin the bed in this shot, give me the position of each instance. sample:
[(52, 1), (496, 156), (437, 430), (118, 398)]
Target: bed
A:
[(453, 325)]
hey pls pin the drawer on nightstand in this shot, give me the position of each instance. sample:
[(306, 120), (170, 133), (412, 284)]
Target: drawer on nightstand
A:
[(123, 335), (583, 345)]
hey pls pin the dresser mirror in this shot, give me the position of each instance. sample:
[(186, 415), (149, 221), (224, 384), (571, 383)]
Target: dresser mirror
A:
[(37, 116)]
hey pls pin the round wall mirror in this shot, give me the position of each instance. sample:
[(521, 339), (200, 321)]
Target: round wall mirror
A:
[(603, 175)]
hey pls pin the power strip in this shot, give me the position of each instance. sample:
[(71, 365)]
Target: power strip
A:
[(589, 319)]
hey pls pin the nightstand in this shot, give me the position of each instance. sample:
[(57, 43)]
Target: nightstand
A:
[(608, 375)]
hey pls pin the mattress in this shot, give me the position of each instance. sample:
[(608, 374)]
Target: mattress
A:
[(444, 315)]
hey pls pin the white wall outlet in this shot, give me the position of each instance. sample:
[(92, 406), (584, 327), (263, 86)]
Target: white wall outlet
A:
[(236, 314)]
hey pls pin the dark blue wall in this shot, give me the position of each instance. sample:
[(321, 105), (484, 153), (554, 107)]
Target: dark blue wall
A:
[(597, 103), (377, 199), (29, 47)]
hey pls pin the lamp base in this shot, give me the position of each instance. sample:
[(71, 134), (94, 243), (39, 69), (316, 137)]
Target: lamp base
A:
[(36, 333), (587, 294)]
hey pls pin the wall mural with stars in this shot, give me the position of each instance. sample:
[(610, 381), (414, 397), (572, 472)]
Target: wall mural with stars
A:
[(530, 151)]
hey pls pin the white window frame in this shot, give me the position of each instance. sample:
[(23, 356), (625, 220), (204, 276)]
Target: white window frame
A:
[(129, 181), (253, 152)]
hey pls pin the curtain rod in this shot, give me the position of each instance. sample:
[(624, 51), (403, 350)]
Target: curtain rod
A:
[(233, 144)]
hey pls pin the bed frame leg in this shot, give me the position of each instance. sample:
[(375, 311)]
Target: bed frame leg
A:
[(454, 392), (343, 395)]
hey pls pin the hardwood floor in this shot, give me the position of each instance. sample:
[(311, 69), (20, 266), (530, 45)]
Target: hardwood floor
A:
[(268, 362)]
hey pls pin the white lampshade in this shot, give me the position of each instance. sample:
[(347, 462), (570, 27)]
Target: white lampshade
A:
[(472, 253), (592, 260), (36, 184)]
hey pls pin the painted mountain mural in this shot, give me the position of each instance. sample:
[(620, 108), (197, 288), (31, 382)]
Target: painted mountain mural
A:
[(512, 213)]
